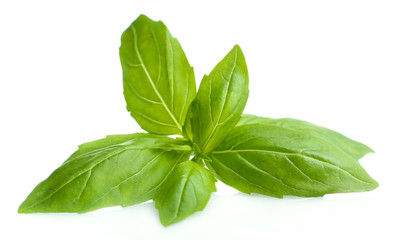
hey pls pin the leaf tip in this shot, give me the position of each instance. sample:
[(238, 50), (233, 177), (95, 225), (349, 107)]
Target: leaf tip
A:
[(23, 209), (237, 48), (165, 223), (142, 17), (374, 184), (370, 150)]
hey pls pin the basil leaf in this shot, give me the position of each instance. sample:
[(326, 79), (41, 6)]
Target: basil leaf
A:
[(159, 83), (351, 147), (219, 102), (277, 161), (186, 191), (117, 170)]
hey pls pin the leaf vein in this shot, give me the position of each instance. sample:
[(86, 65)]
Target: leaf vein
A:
[(141, 97), (298, 154), (243, 178), (182, 195), (151, 81), (153, 120), (85, 184), (170, 171), (129, 177), (224, 102), (269, 174), (73, 178)]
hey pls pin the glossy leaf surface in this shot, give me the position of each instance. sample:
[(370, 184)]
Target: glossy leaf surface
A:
[(277, 161), (159, 83), (186, 191), (119, 170), (351, 147), (219, 102)]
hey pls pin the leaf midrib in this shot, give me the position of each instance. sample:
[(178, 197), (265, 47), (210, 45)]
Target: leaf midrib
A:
[(129, 177), (75, 177), (225, 100), (298, 154), (151, 80), (182, 193), (317, 135), (240, 176)]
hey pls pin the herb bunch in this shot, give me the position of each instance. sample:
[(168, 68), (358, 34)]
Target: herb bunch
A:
[(274, 157)]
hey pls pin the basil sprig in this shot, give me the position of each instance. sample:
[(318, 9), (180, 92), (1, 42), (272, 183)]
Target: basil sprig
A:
[(274, 157)]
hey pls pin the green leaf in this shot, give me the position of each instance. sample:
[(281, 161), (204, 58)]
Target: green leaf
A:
[(186, 191), (219, 102), (159, 83), (351, 147), (119, 170), (277, 161)]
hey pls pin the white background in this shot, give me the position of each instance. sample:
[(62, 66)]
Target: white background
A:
[(332, 63)]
